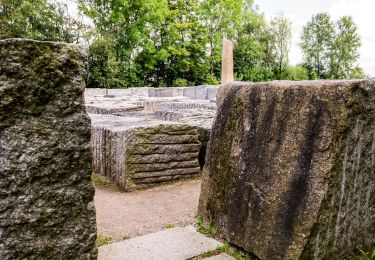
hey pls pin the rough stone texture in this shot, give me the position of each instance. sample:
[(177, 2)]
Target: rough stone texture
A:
[(290, 168), (133, 152), (46, 195), (180, 129)]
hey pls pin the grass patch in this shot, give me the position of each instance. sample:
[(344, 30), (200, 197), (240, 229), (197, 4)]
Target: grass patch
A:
[(101, 181), (205, 228), (170, 226), (226, 248), (103, 240), (364, 254), (125, 237), (208, 230)]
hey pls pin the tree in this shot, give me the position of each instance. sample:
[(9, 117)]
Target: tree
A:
[(176, 51), (316, 42), (358, 73), (37, 19), (254, 58), (102, 65), (281, 29), (331, 51), (295, 73), (345, 50), (127, 25), (220, 19)]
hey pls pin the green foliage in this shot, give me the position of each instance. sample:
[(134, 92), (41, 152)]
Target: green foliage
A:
[(211, 80), (103, 66), (295, 73), (368, 254), (316, 43), (204, 228), (345, 50), (125, 237), (175, 42), (281, 29), (163, 43), (331, 50), (38, 19), (100, 181), (226, 248), (358, 73), (254, 57), (103, 240), (170, 226), (180, 83)]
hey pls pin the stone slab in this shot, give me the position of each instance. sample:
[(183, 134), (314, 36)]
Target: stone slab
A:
[(177, 243), (220, 257)]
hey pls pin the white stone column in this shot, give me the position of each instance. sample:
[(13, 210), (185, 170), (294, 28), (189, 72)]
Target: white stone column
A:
[(227, 62)]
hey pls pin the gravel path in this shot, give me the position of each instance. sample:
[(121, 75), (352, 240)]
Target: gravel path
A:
[(137, 213)]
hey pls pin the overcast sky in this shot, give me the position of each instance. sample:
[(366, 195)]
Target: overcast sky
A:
[(300, 11)]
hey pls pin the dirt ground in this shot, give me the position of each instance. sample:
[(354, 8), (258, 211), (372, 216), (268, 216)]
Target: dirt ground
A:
[(122, 215)]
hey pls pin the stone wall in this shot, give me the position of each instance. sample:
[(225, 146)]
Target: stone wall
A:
[(204, 92), (46, 194), (290, 168)]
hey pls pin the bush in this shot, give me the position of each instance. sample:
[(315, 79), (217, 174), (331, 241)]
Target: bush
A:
[(295, 73), (180, 83), (211, 80)]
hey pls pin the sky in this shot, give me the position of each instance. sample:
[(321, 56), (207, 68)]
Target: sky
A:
[(301, 11)]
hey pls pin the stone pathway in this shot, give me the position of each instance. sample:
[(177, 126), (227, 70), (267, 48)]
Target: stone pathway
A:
[(222, 256), (178, 243)]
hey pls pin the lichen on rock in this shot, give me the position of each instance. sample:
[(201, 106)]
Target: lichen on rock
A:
[(46, 193), (289, 170)]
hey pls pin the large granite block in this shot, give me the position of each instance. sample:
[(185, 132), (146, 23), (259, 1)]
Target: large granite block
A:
[(134, 153), (46, 194), (290, 168)]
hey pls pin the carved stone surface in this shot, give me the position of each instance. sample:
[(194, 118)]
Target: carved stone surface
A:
[(180, 123), (290, 168), (133, 152), (46, 194)]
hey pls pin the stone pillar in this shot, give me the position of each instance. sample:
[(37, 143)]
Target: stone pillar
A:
[(227, 62), (289, 170), (46, 193)]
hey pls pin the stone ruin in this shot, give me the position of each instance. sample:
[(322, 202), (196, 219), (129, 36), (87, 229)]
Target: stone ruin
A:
[(289, 171), (46, 193), (144, 136), (290, 168)]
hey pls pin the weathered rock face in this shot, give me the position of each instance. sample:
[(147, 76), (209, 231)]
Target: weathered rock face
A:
[(46, 194), (177, 122), (134, 153), (290, 168)]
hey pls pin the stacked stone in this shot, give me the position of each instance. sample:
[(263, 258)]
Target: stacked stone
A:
[(134, 152), (105, 110), (162, 153), (185, 105)]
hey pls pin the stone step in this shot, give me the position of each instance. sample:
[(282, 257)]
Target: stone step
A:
[(177, 243), (222, 256)]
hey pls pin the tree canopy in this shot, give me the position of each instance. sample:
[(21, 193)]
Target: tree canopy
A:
[(178, 43), (331, 49)]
